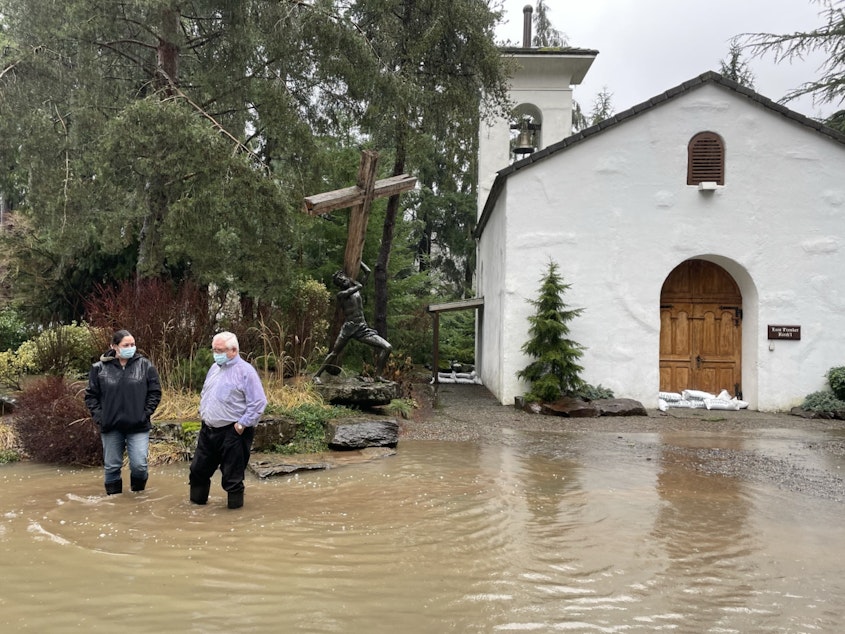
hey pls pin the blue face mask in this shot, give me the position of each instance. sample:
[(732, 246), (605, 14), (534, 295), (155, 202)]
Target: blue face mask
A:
[(127, 353), (220, 358)]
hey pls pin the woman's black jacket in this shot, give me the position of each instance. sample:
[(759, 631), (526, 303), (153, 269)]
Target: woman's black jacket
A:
[(123, 397)]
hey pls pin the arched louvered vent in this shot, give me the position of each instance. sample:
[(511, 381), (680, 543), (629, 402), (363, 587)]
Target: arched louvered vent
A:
[(706, 159)]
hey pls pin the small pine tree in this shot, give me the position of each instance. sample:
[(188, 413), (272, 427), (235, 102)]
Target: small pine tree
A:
[(736, 68), (554, 372)]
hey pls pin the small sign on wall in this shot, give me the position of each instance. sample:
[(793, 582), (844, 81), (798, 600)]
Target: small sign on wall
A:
[(785, 332)]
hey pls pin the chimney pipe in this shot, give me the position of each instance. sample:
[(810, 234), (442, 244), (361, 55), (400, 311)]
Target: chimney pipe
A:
[(527, 10)]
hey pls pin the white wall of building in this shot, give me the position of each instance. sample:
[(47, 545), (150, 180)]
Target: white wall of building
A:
[(615, 213)]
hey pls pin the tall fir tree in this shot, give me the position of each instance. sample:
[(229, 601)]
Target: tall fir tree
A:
[(736, 68), (828, 39), (546, 35), (555, 370), (425, 72), (602, 106)]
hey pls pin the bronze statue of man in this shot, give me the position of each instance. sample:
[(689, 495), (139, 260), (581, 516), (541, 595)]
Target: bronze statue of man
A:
[(354, 325)]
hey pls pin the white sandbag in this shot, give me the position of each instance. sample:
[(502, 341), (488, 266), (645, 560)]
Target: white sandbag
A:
[(696, 395), (740, 404), (719, 403), (458, 377), (687, 404), (662, 405), (670, 396), (724, 395)]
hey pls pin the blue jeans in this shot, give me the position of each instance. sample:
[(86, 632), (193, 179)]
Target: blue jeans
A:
[(136, 445)]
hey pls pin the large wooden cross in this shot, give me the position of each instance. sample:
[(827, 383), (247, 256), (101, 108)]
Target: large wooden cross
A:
[(359, 197)]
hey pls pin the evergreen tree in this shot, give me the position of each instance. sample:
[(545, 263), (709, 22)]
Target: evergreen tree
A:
[(829, 37), (125, 134), (429, 70), (836, 120), (554, 371), (545, 35), (602, 106), (736, 68), (579, 120)]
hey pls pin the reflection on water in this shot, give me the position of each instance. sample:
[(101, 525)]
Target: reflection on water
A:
[(581, 532)]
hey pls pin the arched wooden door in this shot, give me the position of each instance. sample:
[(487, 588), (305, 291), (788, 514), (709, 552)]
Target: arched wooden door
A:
[(700, 330)]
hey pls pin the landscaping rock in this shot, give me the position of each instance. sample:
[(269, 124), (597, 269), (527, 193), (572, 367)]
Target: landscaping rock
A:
[(356, 433), (7, 404), (619, 407), (356, 392), (273, 431), (268, 465), (571, 408)]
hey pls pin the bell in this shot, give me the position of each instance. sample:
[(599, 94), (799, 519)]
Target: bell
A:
[(524, 142)]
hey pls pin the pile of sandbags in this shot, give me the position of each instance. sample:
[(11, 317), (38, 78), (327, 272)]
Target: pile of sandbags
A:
[(696, 399), (457, 377)]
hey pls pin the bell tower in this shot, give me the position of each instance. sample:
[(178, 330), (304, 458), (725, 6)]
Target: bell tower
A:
[(541, 91)]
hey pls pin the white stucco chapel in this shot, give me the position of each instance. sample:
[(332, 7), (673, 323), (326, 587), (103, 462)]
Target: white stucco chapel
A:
[(702, 232)]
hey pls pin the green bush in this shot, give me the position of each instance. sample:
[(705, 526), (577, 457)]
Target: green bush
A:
[(9, 455), (824, 401), (836, 380), (187, 439), (403, 407), (311, 420), (594, 392), (13, 329), (191, 427), (65, 349), (457, 336), (13, 367)]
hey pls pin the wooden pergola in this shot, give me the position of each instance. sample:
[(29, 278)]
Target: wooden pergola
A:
[(474, 303)]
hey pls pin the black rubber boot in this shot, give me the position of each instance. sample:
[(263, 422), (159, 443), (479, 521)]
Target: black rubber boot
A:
[(199, 493), (114, 487), (138, 484), (236, 500)]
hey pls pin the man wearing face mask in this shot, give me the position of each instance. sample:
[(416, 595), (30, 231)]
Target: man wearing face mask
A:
[(231, 404), (123, 392)]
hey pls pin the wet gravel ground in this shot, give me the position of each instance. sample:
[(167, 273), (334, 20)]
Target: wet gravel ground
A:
[(804, 456)]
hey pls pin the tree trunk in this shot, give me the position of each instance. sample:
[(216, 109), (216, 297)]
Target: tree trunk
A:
[(380, 272), (167, 52), (424, 243), (150, 247)]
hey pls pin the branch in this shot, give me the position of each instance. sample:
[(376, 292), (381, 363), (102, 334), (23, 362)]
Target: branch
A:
[(219, 126), (66, 182), (7, 69)]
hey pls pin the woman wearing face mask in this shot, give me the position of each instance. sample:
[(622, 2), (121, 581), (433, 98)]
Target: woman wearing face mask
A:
[(123, 392)]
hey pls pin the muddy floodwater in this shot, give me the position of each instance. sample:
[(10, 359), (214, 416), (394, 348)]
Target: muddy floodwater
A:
[(540, 532)]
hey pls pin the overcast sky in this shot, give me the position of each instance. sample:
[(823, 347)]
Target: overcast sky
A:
[(648, 46)]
